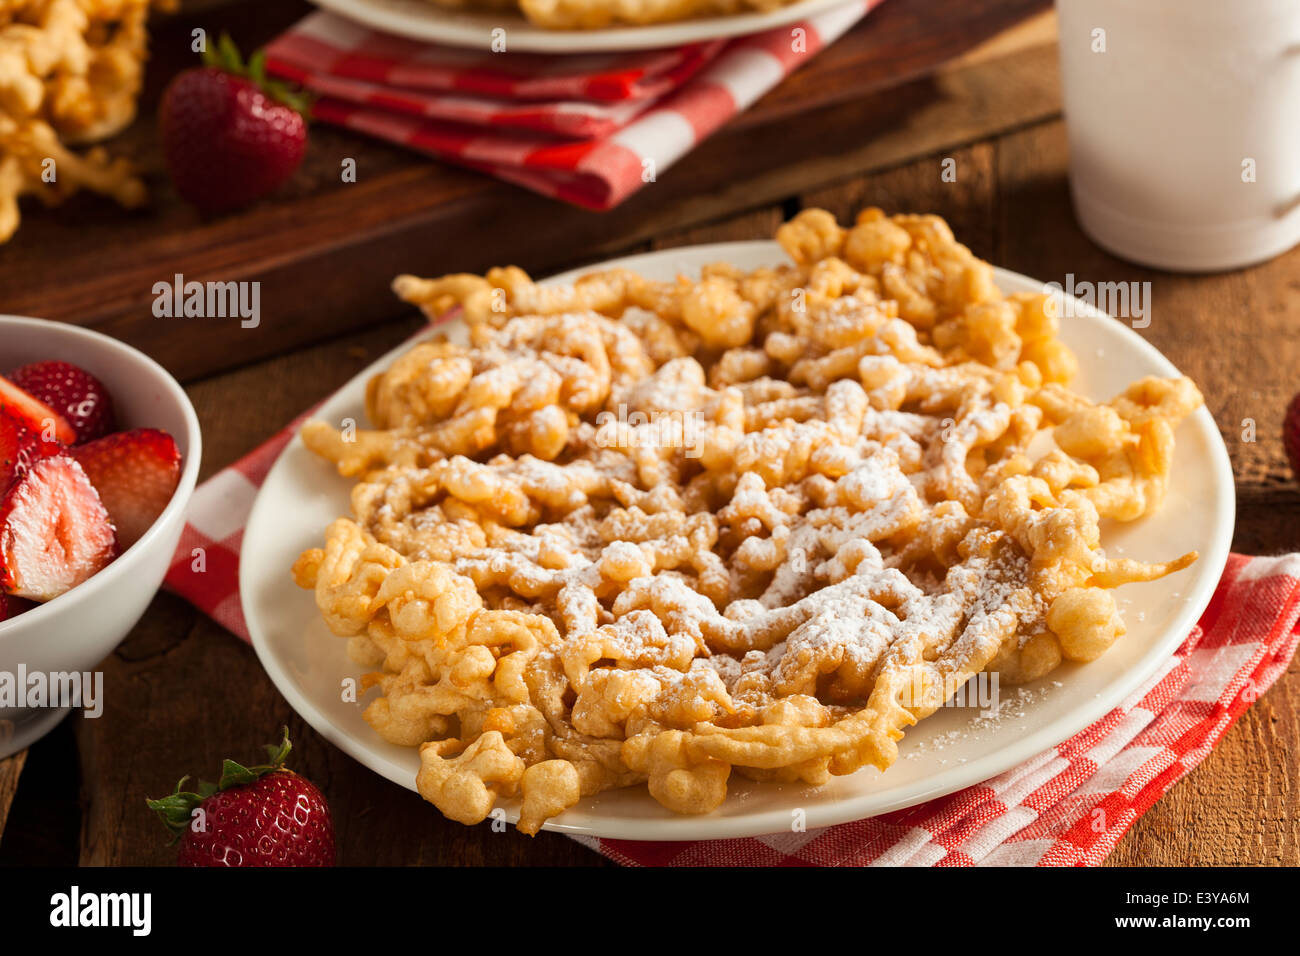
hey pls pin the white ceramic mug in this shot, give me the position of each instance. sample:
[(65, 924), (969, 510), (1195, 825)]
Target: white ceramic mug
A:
[(1184, 127)]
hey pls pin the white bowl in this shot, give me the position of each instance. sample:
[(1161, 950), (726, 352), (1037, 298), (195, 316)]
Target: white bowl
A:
[(77, 630)]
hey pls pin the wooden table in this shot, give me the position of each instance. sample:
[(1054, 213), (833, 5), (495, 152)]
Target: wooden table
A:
[(182, 693)]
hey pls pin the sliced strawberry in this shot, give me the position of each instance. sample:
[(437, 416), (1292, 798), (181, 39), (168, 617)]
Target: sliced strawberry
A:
[(71, 391), (35, 414), (20, 448), (135, 473), (54, 531)]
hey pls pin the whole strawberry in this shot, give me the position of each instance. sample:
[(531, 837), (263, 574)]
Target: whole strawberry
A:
[(74, 393), (1291, 436), (230, 135), (255, 816)]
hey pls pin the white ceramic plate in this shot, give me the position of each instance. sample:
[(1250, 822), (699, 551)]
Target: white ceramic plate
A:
[(945, 752), (426, 21)]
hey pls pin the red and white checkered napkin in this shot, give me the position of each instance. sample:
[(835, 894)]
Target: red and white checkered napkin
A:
[(1066, 807), (590, 129)]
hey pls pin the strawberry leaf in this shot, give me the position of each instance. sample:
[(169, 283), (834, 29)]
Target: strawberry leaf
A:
[(257, 68), (224, 55), (235, 775), (176, 810), (279, 753), (230, 54)]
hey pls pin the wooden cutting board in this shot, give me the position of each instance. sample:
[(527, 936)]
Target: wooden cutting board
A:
[(915, 77)]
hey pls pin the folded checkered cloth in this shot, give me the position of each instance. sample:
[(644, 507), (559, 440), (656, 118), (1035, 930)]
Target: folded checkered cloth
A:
[(587, 129), (1066, 807), (579, 97)]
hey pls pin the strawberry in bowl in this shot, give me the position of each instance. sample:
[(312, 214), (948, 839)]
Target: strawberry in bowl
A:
[(80, 401), (67, 510), (99, 454)]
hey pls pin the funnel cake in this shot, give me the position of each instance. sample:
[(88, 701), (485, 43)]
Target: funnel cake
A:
[(642, 532)]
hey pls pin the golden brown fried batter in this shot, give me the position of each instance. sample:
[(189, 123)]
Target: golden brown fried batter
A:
[(651, 532)]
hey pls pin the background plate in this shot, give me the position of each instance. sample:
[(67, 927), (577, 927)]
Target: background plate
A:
[(954, 748), (422, 20)]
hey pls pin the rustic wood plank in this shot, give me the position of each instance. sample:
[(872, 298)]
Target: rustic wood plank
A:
[(759, 224), (1038, 30), (11, 769), (904, 41), (324, 253)]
